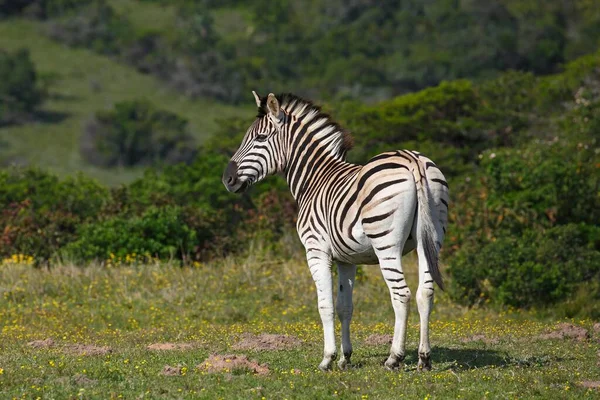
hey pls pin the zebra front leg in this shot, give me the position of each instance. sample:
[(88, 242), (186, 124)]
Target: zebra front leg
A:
[(344, 307), (320, 268), (391, 268)]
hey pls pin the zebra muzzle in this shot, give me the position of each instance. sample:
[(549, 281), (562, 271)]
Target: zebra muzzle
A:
[(230, 178)]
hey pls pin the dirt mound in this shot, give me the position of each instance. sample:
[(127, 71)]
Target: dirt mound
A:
[(596, 328), (378, 339), (231, 362), (171, 371), (479, 338), (41, 344), (82, 380), (267, 341), (169, 346), (567, 331), (590, 384), (88, 349)]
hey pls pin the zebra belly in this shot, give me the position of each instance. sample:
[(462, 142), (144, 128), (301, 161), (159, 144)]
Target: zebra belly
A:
[(364, 253)]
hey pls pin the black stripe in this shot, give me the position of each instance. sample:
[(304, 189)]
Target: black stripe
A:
[(372, 194), (393, 270), (380, 234), (444, 202), (376, 218), (440, 181)]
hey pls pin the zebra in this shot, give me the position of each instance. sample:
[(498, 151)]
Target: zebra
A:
[(348, 213)]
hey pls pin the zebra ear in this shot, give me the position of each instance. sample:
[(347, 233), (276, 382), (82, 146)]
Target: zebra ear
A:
[(273, 105), (256, 98)]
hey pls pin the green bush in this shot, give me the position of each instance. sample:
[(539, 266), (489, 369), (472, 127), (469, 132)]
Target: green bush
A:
[(39, 8), (536, 268), (157, 233), (37, 233), (20, 94), (450, 123), (136, 133), (80, 196), (96, 26), (41, 213), (540, 185)]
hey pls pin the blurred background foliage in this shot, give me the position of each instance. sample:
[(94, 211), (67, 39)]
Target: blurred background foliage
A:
[(118, 117)]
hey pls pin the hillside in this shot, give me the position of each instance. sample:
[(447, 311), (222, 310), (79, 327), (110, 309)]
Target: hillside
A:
[(83, 82)]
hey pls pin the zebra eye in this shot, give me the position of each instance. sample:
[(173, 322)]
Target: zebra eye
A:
[(261, 137)]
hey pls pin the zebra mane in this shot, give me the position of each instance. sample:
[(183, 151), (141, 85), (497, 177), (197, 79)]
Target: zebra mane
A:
[(299, 107)]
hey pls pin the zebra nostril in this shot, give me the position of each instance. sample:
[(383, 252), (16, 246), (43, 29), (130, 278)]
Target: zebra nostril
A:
[(230, 174)]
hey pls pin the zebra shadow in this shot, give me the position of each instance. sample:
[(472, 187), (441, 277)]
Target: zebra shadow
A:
[(458, 359)]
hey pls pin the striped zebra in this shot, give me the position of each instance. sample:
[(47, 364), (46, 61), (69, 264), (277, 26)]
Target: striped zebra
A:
[(353, 214)]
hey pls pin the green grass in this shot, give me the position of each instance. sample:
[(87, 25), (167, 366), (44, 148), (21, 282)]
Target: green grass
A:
[(210, 307), (84, 83)]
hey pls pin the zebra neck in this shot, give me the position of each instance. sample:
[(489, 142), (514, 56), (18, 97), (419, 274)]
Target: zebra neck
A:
[(309, 167)]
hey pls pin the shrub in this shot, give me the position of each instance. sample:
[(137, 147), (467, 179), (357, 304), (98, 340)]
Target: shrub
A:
[(158, 232), (80, 196), (136, 133), (150, 53), (543, 184), (450, 123), (537, 268), (39, 233), (97, 26), (41, 213), (39, 8), (20, 94)]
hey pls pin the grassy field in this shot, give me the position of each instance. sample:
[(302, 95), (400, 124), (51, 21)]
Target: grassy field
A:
[(143, 332), (84, 82)]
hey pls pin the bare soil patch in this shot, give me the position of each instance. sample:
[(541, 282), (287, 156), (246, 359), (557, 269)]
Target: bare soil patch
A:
[(567, 331), (82, 380), (232, 362), (171, 371), (169, 346), (378, 339), (267, 341), (596, 328), (590, 384), (88, 349), (42, 344), (480, 338)]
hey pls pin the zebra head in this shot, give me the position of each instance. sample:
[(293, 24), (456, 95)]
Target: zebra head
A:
[(260, 153)]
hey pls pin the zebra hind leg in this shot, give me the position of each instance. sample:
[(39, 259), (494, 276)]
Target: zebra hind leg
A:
[(390, 262), (344, 307)]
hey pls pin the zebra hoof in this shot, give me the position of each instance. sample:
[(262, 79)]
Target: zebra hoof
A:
[(326, 363), (343, 363), (424, 363), (393, 362), (325, 366)]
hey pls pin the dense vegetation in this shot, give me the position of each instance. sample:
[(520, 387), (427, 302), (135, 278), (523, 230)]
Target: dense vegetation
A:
[(20, 89), (520, 147), (369, 49), (136, 133)]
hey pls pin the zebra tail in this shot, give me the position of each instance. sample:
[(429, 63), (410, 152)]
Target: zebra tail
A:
[(427, 233)]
